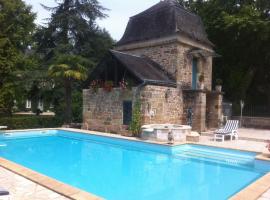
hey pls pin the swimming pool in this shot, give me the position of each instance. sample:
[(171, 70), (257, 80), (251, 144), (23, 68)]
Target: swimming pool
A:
[(118, 169)]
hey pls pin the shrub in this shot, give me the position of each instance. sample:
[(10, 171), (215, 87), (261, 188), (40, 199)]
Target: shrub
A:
[(135, 125), (30, 122)]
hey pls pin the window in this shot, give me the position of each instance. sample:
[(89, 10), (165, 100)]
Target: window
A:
[(40, 105), (127, 112), (194, 73), (28, 104)]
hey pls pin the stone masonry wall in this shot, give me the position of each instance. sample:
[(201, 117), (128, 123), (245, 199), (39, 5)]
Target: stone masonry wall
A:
[(174, 57), (166, 55), (166, 105), (196, 100), (213, 109), (103, 111)]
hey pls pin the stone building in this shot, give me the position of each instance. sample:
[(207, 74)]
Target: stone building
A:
[(166, 59)]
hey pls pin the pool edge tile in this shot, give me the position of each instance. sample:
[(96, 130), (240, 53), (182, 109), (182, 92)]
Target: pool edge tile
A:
[(255, 190)]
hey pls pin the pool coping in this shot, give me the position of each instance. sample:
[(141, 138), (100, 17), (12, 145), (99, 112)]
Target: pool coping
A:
[(251, 192)]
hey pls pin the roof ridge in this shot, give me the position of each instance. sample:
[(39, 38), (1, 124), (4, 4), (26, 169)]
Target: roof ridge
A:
[(111, 50), (150, 9), (168, 3)]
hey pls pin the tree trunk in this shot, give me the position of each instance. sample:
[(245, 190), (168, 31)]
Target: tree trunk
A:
[(68, 98)]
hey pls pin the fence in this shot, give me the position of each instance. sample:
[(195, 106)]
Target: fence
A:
[(254, 116), (252, 110)]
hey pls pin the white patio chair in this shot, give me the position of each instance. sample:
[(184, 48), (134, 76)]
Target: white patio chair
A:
[(230, 129)]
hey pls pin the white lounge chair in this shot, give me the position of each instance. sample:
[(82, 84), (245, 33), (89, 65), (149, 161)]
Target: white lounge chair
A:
[(4, 194), (230, 129)]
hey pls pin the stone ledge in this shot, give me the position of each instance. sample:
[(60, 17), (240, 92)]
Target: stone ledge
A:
[(263, 156), (254, 190)]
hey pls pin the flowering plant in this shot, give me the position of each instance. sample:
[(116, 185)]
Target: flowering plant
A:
[(123, 84), (268, 145), (108, 86)]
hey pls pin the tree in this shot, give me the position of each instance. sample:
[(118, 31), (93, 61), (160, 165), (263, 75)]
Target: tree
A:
[(240, 30), (72, 28), (16, 29), (72, 31), (68, 68)]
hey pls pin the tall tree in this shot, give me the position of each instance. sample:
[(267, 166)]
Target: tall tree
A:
[(72, 32), (16, 29), (72, 27), (69, 68), (240, 30)]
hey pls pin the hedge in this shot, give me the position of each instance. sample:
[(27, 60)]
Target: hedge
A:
[(30, 122)]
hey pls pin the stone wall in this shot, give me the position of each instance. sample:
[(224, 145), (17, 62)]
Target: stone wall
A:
[(254, 122), (103, 111), (166, 55), (197, 101), (173, 56), (213, 109), (161, 105)]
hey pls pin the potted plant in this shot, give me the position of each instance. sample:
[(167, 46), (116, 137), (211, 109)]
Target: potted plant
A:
[(201, 80), (123, 84), (219, 85), (108, 86)]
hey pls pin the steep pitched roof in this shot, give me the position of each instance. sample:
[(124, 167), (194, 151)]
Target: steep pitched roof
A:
[(166, 18), (143, 68)]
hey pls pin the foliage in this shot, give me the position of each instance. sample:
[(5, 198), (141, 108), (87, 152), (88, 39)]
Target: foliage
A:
[(136, 121), (16, 30), (68, 68), (77, 106), (240, 31), (72, 29), (95, 85), (29, 122), (201, 78), (219, 81), (6, 99), (71, 44), (108, 86)]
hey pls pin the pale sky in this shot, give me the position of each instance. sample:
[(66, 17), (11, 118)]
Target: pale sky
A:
[(119, 13)]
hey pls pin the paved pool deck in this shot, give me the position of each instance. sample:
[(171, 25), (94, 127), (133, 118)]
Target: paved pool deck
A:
[(257, 134), (249, 134), (22, 188)]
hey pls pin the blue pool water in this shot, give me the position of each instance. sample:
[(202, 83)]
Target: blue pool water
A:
[(117, 169)]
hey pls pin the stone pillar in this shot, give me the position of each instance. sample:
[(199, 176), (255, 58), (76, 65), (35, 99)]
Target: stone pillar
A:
[(199, 112), (214, 109), (195, 99)]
